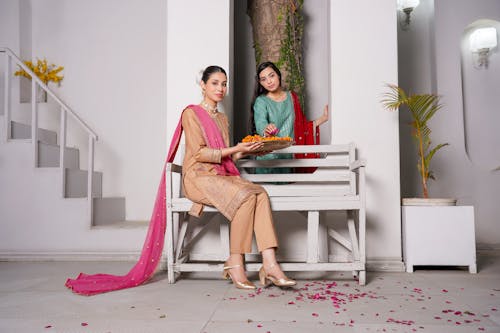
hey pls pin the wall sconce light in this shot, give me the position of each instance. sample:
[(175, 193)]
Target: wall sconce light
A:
[(482, 41), (406, 6)]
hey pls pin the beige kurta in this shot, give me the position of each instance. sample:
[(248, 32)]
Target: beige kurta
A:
[(201, 182)]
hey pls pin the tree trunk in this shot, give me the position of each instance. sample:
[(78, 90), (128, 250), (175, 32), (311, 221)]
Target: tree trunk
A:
[(277, 34)]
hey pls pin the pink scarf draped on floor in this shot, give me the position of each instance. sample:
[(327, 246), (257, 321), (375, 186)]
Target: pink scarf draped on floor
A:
[(88, 285)]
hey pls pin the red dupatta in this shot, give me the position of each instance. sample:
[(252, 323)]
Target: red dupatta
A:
[(304, 134), (152, 249)]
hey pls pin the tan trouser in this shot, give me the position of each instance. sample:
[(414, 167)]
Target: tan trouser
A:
[(254, 215)]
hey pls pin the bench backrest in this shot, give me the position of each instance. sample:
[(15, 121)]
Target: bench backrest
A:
[(333, 175)]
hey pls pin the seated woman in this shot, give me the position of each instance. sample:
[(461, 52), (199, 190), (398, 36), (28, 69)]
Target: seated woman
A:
[(277, 112), (211, 178)]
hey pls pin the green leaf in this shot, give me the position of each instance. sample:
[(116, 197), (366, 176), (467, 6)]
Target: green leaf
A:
[(429, 156)]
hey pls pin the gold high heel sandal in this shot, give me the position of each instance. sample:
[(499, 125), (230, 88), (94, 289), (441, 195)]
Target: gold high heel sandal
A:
[(266, 279), (240, 285)]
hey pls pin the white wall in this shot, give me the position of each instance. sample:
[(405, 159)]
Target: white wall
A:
[(364, 58), (447, 73), (196, 39), (470, 182), (114, 56), (481, 98)]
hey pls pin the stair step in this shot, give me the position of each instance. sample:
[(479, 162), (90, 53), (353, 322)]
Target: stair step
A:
[(108, 211), (76, 184), (123, 225), (23, 131), (48, 156)]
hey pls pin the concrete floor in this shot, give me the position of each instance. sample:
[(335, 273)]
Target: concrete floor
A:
[(33, 299)]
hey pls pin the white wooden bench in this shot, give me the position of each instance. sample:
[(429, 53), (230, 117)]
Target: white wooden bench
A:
[(338, 184)]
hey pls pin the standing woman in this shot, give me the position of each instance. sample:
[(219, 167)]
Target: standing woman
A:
[(211, 178), (277, 112)]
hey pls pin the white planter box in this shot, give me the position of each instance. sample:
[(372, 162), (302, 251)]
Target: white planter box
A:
[(439, 235)]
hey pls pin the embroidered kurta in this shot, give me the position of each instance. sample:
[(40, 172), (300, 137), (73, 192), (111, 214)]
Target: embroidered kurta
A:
[(201, 182), (288, 117), (281, 114)]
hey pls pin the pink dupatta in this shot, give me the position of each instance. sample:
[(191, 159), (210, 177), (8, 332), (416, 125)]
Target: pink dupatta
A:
[(89, 285)]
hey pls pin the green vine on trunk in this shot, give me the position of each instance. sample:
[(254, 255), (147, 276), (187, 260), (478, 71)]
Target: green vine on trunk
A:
[(291, 49), (258, 52)]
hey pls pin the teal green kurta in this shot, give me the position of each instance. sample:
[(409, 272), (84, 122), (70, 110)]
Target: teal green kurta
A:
[(281, 114)]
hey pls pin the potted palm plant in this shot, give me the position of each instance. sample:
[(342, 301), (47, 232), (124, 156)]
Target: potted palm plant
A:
[(433, 234), (422, 108)]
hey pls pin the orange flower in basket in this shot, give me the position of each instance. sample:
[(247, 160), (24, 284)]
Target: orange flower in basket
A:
[(258, 138)]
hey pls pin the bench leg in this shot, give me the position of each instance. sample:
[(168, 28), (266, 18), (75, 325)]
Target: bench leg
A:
[(354, 240), (181, 236), (352, 233), (362, 278), (170, 247), (362, 244), (323, 238), (313, 237)]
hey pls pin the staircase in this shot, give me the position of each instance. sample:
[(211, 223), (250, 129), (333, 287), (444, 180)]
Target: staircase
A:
[(76, 183), (46, 211), (106, 211)]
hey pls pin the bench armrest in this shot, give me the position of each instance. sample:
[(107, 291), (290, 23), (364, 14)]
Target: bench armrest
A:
[(172, 167), (357, 164)]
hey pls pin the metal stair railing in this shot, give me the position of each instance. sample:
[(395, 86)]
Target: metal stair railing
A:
[(65, 109)]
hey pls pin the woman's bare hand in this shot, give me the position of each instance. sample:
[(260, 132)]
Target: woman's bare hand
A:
[(271, 130), (246, 148), (249, 147), (326, 112), (324, 117)]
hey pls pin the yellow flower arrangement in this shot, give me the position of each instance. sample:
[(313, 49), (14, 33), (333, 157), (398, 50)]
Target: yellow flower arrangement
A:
[(45, 72)]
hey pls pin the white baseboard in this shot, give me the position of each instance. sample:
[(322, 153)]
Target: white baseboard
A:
[(373, 264), (69, 256), (385, 265)]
